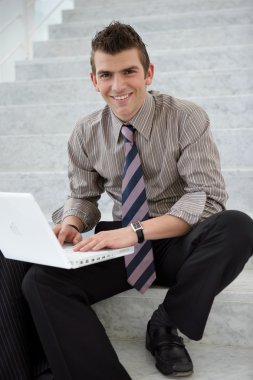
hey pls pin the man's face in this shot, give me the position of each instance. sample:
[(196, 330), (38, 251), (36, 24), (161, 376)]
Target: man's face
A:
[(121, 81)]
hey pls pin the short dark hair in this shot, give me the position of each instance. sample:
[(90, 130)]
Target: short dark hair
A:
[(115, 38)]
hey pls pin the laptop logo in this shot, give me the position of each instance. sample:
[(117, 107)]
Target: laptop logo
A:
[(14, 229)]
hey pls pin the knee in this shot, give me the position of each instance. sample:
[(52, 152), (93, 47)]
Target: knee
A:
[(29, 282), (237, 226), (237, 220)]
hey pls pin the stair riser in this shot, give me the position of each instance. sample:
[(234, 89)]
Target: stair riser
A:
[(155, 23), (231, 112), (186, 39), (190, 84), (164, 61), (48, 152), (230, 323), (53, 158), (180, 5), (140, 7), (51, 189)]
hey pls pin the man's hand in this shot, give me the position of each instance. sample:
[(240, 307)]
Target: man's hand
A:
[(68, 234), (120, 238)]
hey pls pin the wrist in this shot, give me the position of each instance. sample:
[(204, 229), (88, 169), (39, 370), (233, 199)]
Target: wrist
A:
[(75, 227), (138, 229), (73, 220)]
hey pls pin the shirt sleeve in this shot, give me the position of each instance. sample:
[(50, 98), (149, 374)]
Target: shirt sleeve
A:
[(199, 167), (86, 186)]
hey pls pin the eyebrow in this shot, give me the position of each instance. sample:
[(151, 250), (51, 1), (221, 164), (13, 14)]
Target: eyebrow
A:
[(125, 69)]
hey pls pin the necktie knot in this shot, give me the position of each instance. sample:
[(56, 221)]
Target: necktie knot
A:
[(128, 133)]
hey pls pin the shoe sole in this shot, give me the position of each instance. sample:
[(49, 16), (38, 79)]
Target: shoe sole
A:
[(174, 374), (177, 374)]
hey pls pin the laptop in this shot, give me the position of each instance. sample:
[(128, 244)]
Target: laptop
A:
[(27, 236)]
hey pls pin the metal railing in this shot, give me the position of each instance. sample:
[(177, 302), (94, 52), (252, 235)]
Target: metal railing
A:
[(26, 43)]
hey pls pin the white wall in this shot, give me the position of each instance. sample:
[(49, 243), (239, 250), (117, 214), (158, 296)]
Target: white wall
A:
[(17, 32)]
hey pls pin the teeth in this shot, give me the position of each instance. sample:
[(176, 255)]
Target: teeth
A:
[(121, 97)]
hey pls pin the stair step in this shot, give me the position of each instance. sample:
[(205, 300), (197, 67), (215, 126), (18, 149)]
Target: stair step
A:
[(140, 7), (125, 316), (224, 112), (239, 187), (49, 152), (50, 188), (214, 58), (155, 22), (180, 5), (180, 84), (172, 39), (211, 362)]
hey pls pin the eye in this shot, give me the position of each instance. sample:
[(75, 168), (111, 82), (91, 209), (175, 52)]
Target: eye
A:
[(104, 75), (129, 71)]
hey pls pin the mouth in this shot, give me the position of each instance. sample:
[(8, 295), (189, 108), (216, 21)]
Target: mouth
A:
[(121, 98)]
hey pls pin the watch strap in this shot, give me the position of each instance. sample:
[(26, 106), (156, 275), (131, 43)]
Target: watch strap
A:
[(137, 227)]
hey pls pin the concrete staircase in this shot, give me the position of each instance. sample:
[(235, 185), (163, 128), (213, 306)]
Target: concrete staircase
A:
[(203, 51)]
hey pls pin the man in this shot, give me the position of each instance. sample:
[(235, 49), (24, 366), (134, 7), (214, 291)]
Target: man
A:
[(197, 247)]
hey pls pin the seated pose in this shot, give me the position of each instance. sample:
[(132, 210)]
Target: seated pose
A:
[(154, 156)]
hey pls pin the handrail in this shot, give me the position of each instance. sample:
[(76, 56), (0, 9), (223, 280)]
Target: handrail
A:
[(45, 18), (30, 34), (10, 54), (11, 21), (18, 15)]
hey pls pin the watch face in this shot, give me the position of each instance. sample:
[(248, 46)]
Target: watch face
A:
[(137, 225)]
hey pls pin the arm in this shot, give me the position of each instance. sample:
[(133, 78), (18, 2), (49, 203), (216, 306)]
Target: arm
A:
[(165, 226), (199, 167), (81, 208)]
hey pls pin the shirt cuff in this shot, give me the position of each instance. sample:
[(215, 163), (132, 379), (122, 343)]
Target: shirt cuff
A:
[(189, 207), (86, 211)]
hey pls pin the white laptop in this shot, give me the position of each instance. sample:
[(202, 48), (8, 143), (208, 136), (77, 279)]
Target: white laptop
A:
[(26, 235)]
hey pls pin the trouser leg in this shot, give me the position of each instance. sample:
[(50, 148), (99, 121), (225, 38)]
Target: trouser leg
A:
[(15, 360), (73, 338), (21, 355), (204, 262)]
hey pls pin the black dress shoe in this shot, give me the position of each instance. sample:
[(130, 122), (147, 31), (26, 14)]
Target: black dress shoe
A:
[(169, 350)]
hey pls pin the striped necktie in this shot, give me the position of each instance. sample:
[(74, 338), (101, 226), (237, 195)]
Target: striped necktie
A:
[(139, 266)]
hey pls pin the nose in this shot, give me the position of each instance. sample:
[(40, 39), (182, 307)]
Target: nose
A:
[(118, 83)]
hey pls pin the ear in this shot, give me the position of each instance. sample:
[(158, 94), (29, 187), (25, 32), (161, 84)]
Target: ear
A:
[(94, 81), (150, 74)]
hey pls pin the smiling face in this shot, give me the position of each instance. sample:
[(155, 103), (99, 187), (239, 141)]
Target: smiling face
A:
[(121, 80)]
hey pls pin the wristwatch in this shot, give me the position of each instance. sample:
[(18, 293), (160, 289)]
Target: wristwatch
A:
[(137, 227)]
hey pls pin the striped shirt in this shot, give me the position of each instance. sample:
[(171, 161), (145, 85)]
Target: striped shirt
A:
[(180, 161)]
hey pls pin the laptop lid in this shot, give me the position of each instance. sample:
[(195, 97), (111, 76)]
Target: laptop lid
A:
[(27, 236), (25, 232)]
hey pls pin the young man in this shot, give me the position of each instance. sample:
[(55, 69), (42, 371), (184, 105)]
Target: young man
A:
[(198, 248)]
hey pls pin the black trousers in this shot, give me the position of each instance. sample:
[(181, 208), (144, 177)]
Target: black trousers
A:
[(196, 267), (21, 354)]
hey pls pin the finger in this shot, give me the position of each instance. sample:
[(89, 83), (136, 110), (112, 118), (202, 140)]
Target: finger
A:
[(56, 229), (92, 246), (79, 245), (62, 236), (77, 239), (85, 245)]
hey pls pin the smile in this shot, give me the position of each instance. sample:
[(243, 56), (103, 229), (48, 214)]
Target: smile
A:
[(121, 97)]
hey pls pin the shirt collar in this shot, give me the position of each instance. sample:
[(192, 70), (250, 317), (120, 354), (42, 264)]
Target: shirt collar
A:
[(142, 121)]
